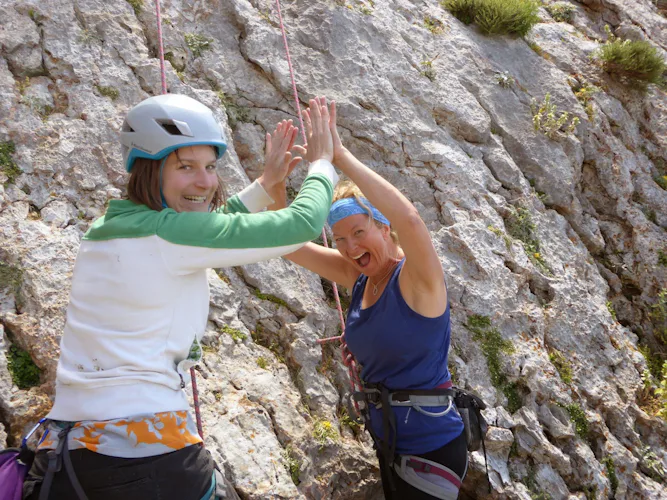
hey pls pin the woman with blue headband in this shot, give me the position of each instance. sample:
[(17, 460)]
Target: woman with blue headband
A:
[(398, 328)]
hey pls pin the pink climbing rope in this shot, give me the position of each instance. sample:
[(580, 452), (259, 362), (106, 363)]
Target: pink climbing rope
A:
[(291, 73), (348, 358), (195, 399), (160, 46), (163, 76)]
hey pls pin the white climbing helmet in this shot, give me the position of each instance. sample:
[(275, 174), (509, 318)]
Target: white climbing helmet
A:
[(159, 125)]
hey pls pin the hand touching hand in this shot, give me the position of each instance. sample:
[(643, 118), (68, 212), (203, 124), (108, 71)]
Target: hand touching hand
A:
[(338, 148), (318, 132), (278, 161)]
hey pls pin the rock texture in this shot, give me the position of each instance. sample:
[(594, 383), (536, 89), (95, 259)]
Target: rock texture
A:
[(458, 144)]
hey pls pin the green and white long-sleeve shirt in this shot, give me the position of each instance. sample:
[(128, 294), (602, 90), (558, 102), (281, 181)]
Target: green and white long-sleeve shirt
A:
[(140, 295)]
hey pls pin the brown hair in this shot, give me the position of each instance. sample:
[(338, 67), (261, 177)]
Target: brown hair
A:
[(348, 189), (143, 187)]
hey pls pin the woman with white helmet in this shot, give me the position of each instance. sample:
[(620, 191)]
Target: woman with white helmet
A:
[(139, 301)]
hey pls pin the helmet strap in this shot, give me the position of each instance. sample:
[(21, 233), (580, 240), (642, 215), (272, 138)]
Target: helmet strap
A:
[(164, 202)]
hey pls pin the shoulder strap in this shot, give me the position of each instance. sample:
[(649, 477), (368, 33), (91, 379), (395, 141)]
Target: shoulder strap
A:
[(71, 474), (55, 465)]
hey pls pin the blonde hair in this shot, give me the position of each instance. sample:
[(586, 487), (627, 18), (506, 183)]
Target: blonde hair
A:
[(348, 189)]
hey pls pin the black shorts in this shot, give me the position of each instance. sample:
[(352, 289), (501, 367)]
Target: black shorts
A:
[(454, 455), (180, 475)]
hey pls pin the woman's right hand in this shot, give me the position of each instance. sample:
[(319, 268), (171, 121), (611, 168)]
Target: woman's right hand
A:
[(338, 147), (318, 131)]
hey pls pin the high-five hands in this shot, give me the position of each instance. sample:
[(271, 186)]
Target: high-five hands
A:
[(318, 132), (278, 160)]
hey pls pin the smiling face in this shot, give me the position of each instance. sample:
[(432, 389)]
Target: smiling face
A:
[(368, 247), (189, 179)]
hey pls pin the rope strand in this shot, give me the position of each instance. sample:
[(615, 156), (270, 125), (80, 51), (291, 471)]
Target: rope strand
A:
[(163, 77), (348, 358)]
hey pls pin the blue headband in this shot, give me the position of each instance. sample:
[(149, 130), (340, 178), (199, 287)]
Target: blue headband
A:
[(349, 206)]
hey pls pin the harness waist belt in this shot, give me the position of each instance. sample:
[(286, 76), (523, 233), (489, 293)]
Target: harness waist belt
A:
[(414, 397)]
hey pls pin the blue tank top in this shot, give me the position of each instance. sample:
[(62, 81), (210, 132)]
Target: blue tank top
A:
[(403, 350)]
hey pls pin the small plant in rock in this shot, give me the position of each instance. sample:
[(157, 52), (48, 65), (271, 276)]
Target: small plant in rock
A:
[(37, 105), (659, 316), (7, 164), (584, 93), (661, 392), (324, 431), (25, 374), (535, 48), (262, 363), (292, 464), (520, 226), (502, 17), (609, 464), (428, 70), (530, 482), (648, 398), (632, 61), (502, 234), (236, 335), (434, 25), (612, 311), (654, 360), (560, 11), (562, 365), (493, 345), (651, 465), (137, 5), (110, 92), (197, 43), (235, 113), (270, 298), (546, 119), (578, 418), (662, 257), (505, 80), (345, 419), (21, 86)]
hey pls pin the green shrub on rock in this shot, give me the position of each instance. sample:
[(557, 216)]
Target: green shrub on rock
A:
[(632, 61), (463, 10), (561, 11), (7, 164), (25, 374), (496, 17)]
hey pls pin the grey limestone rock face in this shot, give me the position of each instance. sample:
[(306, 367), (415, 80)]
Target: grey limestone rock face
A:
[(558, 241)]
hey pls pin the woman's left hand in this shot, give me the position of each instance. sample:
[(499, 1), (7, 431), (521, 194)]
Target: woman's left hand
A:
[(278, 162)]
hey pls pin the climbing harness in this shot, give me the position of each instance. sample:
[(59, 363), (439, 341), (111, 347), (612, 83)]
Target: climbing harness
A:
[(469, 406), (56, 458)]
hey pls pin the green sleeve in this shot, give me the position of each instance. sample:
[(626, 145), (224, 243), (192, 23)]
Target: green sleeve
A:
[(301, 222)]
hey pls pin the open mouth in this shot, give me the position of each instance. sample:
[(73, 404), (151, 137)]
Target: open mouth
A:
[(363, 259), (196, 199)]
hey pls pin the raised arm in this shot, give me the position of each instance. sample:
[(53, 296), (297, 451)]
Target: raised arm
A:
[(235, 239), (268, 191), (192, 241), (422, 263)]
